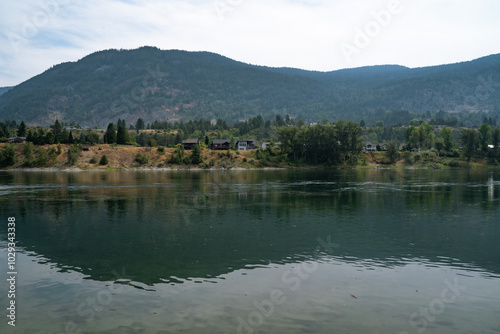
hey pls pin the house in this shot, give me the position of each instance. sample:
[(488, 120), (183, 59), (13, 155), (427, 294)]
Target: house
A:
[(190, 143), (266, 144), (369, 147), (383, 147), (245, 145), (17, 140), (220, 144)]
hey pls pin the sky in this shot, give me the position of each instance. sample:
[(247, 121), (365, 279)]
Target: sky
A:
[(322, 35)]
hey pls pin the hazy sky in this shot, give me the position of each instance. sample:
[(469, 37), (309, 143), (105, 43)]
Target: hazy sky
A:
[(320, 35)]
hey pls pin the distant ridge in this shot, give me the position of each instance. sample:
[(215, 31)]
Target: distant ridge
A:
[(176, 85), (4, 89)]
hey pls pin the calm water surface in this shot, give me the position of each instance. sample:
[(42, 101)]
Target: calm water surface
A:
[(341, 251)]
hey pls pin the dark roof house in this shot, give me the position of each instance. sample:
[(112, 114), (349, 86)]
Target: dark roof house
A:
[(220, 144), (190, 143)]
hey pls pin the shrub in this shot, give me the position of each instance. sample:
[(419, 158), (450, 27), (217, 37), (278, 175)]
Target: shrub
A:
[(28, 153), (161, 149), (452, 163), (52, 154), (408, 157), (142, 158), (93, 160), (42, 157), (492, 161), (104, 160), (8, 156), (74, 153), (179, 156)]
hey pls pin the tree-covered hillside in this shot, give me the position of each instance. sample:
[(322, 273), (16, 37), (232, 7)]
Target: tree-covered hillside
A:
[(4, 89), (177, 85)]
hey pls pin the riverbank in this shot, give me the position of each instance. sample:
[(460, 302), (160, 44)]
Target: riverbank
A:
[(113, 157)]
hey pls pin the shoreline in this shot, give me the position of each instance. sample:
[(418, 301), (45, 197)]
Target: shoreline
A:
[(54, 158), (219, 169)]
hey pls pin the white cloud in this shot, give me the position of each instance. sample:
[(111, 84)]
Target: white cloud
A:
[(37, 34)]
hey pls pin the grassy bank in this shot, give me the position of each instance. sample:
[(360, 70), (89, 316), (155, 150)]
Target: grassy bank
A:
[(115, 157)]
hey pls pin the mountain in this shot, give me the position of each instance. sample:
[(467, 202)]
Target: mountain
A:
[(4, 89), (178, 85)]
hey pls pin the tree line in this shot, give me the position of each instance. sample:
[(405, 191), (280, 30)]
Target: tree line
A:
[(323, 143)]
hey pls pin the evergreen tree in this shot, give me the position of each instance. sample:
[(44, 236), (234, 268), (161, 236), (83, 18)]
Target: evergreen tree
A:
[(110, 135), (139, 125), (56, 131), (122, 136), (196, 155), (21, 130), (104, 160), (70, 138), (49, 138), (30, 137)]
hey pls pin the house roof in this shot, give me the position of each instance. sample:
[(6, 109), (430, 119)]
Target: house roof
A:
[(220, 141), (190, 141), (247, 140)]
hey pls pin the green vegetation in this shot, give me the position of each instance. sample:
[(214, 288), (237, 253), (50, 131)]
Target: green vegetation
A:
[(196, 157), (104, 160), (203, 85), (392, 153), (73, 154), (110, 135), (28, 154), (7, 156), (142, 159), (330, 144), (42, 159), (122, 136), (469, 139)]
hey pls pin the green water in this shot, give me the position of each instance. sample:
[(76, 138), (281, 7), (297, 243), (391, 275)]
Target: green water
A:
[(341, 251)]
